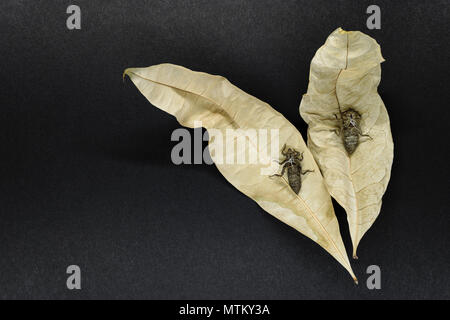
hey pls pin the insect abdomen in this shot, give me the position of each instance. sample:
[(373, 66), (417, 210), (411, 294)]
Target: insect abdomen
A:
[(351, 139), (294, 178)]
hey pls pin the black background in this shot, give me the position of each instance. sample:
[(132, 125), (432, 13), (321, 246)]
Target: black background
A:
[(85, 170)]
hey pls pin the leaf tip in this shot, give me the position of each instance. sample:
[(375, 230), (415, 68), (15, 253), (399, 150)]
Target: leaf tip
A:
[(354, 256), (125, 73)]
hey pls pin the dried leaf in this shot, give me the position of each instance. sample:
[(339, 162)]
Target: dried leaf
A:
[(219, 105), (345, 73)]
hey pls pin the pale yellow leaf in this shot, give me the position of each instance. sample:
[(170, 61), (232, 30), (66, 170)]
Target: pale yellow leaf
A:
[(219, 105), (345, 73)]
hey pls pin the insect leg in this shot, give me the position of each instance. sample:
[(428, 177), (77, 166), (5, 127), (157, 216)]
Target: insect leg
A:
[(283, 152), (364, 135), (282, 162), (306, 171), (281, 174)]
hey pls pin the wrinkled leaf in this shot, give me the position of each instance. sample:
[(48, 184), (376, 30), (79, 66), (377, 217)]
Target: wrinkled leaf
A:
[(219, 105), (345, 73)]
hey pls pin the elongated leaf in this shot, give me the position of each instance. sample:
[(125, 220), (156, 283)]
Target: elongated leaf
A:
[(345, 73), (213, 100)]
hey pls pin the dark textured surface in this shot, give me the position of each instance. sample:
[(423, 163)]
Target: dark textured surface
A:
[(85, 170)]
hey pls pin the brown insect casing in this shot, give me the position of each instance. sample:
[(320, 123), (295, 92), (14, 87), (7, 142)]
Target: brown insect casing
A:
[(292, 163), (351, 130)]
